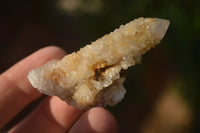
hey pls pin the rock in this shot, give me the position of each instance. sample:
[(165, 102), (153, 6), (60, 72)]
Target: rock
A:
[(93, 76)]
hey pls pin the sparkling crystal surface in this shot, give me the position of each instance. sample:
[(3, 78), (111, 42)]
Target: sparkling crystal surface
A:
[(92, 76)]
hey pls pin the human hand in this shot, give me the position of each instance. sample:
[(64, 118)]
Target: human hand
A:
[(52, 115)]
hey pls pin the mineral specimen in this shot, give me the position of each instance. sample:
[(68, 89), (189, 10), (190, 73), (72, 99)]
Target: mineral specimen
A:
[(93, 76)]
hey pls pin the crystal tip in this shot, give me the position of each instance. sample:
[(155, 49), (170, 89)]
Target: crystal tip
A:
[(159, 27)]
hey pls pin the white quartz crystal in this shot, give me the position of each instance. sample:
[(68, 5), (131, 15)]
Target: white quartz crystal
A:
[(93, 75)]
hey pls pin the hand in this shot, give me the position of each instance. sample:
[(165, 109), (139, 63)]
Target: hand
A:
[(52, 115)]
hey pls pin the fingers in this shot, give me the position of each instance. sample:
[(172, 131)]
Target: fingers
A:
[(51, 116), (16, 91), (96, 120), (54, 115)]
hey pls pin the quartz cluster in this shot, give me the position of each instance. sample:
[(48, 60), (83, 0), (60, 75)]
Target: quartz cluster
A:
[(94, 75)]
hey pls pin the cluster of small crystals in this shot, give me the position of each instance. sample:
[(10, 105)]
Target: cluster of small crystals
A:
[(91, 77)]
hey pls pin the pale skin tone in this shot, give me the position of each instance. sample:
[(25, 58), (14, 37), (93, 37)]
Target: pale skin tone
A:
[(52, 115)]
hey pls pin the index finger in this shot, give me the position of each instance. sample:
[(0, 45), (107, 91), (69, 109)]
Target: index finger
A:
[(16, 91)]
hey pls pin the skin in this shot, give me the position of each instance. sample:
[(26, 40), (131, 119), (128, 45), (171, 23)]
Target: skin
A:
[(52, 114)]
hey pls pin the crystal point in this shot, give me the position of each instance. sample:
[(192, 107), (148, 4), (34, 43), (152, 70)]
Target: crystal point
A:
[(159, 27)]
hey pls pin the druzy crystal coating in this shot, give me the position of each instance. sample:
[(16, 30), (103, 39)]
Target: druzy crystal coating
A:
[(93, 76)]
